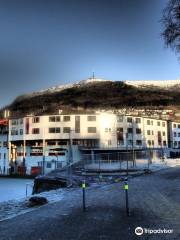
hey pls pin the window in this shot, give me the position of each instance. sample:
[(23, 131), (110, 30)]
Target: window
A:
[(120, 142), (91, 129), (130, 142), (178, 125), (14, 122), (66, 118), (153, 142), (66, 130), (152, 122), (54, 119), (48, 165), (63, 142), (178, 134), (4, 144), (14, 132), (148, 122), (54, 130), (35, 131), (21, 121), (119, 118), (77, 124), (138, 142), (163, 133), (129, 119), (4, 155), (107, 130), (0, 144), (138, 120), (109, 142), (174, 125), (138, 130), (164, 143), (21, 131), (120, 130), (152, 132), (129, 130), (175, 144), (51, 143), (36, 120), (58, 119), (174, 134), (91, 118), (120, 138), (163, 124), (149, 142), (148, 132), (158, 123)]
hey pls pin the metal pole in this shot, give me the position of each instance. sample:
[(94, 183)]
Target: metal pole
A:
[(43, 168), (84, 195), (70, 160), (126, 195), (26, 189), (127, 167)]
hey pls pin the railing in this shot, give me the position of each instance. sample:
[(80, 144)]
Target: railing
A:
[(120, 160)]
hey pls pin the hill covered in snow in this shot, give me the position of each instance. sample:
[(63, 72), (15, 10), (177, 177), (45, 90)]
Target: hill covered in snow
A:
[(167, 84), (96, 93)]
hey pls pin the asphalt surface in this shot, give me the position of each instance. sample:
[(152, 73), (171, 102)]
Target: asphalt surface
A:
[(154, 202)]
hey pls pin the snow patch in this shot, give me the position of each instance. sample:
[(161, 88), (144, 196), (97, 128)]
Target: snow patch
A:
[(155, 83)]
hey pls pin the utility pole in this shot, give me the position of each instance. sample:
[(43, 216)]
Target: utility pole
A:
[(70, 158), (133, 157)]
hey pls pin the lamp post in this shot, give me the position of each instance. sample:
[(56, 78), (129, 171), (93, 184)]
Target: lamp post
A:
[(70, 158)]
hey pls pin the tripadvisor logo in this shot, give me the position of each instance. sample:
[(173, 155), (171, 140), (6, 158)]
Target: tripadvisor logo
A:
[(139, 231)]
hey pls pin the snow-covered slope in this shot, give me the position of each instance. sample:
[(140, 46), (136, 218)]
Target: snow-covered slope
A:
[(139, 83), (155, 83), (59, 88), (167, 84), (76, 84)]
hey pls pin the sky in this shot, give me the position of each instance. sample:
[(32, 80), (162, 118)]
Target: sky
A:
[(45, 43)]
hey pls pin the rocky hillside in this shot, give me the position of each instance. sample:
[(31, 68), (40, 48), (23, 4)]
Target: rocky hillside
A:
[(95, 94)]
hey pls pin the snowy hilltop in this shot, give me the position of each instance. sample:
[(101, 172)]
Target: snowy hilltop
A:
[(154, 83), (96, 93), (138, 84)]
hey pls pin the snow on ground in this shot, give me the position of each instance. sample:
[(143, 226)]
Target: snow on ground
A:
[(12, 208), (12, 189)]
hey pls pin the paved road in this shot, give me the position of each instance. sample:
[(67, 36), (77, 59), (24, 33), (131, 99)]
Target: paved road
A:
[(154, 203)]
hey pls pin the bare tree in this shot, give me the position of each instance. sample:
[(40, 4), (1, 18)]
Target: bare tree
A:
[(171, 25)]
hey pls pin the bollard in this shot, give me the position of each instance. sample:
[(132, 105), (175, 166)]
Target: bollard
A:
[(126, 195), (26, 188), (84, 195)]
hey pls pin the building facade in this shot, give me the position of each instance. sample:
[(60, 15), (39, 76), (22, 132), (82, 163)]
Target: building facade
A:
[(44, 143), (4, 160)]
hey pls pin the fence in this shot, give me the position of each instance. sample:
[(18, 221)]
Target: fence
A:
[(121, 160)]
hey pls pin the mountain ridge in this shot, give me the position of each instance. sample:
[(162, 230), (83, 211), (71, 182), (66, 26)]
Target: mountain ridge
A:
[(98, 93)]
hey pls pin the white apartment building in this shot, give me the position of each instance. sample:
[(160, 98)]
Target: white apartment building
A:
[(174, 135), (52, 141)]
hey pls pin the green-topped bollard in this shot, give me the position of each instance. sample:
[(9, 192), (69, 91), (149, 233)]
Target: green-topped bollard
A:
[(126, 193), (84, 195)]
